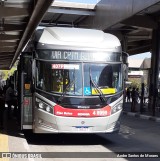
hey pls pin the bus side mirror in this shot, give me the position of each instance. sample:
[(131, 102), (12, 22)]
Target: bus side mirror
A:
[(125, 72), (33, 76)]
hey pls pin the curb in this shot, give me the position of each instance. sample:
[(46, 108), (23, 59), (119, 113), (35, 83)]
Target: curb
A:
[(156, 119)]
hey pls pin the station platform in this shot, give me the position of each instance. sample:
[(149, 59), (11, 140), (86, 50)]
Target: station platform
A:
[(12, 139), (146, 114)]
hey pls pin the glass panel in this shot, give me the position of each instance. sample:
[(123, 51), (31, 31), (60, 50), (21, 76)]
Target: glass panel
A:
[(27, 99), (27, 104), (58, 77), (27, 75), (106, 77)]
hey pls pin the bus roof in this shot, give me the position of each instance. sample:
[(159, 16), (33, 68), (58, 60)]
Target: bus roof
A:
[(90, 38)]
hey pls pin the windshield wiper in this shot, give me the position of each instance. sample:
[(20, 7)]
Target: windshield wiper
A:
[(101, 95), (65, 91)]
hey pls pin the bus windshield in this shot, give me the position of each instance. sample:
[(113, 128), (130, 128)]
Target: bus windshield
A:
[(72, 78), (57, 77), (102, 78)]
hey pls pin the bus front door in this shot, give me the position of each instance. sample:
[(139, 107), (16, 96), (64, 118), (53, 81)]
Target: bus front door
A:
[(25, 76)]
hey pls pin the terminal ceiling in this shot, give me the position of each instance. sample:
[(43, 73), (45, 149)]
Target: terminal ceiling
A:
[(130, 20), (18, 20)]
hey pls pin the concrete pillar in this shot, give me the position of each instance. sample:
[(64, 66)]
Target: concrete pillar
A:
[(124, 49), (124, 43), (153, 91)]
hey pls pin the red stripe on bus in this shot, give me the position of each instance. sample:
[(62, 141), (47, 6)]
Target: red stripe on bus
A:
[(69, 112)]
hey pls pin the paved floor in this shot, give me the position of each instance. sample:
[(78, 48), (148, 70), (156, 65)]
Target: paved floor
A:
[(146, 109), (136, 135)]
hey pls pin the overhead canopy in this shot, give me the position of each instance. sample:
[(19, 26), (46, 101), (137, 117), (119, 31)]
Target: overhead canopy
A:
[(67, 14), (18, 20), (142, 64), (146, 64), (132, 20)]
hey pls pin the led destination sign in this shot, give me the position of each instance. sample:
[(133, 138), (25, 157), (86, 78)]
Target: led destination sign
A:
[(79, 55)]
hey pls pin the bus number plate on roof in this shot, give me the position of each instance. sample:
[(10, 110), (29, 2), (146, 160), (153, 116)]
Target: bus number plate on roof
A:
[(65, 66)]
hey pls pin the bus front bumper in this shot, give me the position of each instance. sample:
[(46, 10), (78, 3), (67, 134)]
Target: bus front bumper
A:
[(49, 123)]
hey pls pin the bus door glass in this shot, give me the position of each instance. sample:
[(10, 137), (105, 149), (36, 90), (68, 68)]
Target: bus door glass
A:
[(26, 86)]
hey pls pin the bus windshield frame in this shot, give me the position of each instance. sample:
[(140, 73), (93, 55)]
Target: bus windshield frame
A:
[(78, 78), (78, 82)]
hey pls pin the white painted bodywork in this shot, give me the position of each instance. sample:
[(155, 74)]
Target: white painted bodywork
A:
[(86, 38), (82, 38)]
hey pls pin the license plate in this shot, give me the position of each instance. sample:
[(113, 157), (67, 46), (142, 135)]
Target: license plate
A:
[(82, 128)]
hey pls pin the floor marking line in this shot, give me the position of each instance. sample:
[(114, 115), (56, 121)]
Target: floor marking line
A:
[(4, 145)]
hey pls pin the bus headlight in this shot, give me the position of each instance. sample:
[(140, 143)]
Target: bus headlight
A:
[(116, 108), (48, 109), (44, 106), (41, 105)]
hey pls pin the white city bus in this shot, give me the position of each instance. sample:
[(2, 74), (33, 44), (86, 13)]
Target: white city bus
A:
[(71, 82)]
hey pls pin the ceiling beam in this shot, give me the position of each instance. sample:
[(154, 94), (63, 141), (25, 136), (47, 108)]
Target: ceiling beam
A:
[(39, 10), (8, 43), (73, 5), (12, 27), (7, 49), (79, 19), (9, 37), (6, 63), (139, 43), (6, 56), (60, 15), (139, 49), (137, 37), (111, 12), (141, 21), (13, 11), (71, 11)]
